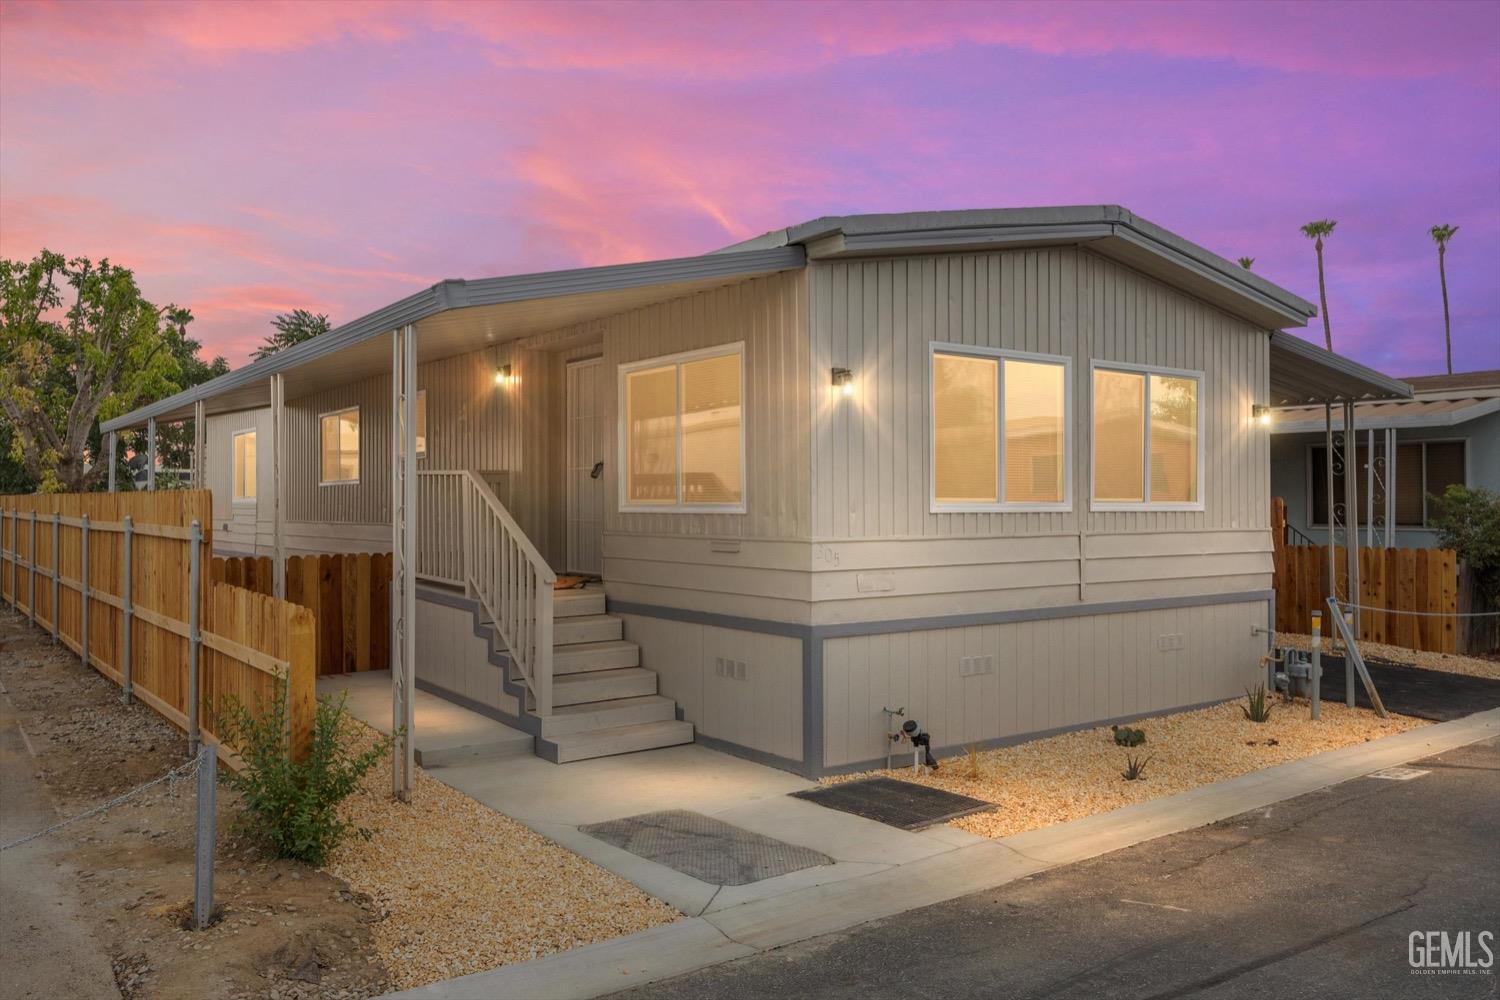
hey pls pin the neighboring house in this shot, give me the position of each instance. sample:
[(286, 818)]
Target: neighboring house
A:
[(998, 468), (1447, 433)]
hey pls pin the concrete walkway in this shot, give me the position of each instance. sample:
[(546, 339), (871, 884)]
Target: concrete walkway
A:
[(727, 929), (446, 733), (45, 948)]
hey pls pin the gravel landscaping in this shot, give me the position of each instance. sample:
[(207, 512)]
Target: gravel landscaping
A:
[(1472, 666), (1078, 774), (460, 888)]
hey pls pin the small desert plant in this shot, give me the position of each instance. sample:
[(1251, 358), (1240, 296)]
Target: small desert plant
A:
[(1134, 767), (1127, 737), (1257, 706), (293, 804)]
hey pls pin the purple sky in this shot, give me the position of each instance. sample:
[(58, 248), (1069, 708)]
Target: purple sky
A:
[(249, 160)]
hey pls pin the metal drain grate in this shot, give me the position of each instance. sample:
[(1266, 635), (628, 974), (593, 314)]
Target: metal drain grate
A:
[(902, 804), (705, 848)]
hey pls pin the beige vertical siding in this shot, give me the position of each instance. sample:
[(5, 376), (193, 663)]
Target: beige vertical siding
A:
[(452, 657), (244, 525), (1047, 675)]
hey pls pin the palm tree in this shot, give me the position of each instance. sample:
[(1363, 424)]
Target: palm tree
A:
[(1316, 231), (1441, 235), (1247, 262)]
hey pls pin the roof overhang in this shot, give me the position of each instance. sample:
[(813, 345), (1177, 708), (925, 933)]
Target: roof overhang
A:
[(456, 316), (1397, 414), (1109, 230), (1303, 374)]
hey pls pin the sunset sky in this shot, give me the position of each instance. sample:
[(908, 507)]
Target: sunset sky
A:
[(247, 160)]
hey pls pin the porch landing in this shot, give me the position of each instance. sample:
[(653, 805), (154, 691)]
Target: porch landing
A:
[(445, 734)]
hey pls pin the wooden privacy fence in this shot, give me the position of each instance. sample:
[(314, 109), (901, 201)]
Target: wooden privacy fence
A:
[(349, 597), (118, 578), (1391, 580)]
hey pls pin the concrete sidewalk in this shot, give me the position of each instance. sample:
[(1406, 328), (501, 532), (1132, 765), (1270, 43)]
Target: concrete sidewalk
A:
[(45, 949), (747, 926)]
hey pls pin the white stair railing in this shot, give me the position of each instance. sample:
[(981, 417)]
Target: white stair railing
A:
[(440, 548), (514, 584)]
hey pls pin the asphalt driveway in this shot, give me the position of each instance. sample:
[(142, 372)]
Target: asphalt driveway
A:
[(1314, 897), (1426, 694)]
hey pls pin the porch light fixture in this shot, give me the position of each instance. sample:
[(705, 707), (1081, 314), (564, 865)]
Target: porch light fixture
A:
[(843, 381), (1261, 414), (503, 375)]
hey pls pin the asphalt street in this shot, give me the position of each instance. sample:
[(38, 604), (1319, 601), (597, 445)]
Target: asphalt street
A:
[(1315, 897)]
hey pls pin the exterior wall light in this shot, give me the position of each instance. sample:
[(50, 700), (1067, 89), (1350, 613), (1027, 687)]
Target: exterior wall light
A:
[(1261, 414), (843, 381), (503, 375)]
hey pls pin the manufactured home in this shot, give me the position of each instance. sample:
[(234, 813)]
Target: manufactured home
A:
[(1002, 469)]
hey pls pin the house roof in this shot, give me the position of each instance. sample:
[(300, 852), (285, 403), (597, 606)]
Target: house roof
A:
[(1109, 230), (1458, 384), (455, 316)]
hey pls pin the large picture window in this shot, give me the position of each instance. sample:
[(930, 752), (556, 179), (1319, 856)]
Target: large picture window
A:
[(1147, 440), (682, 433), (1424, 469), (999, 430), (339, 446), (244, 465)]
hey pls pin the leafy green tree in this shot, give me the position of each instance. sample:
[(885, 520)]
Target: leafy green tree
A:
[(65, 366), (1468, 522), (1247, 262), (1441, 235), (291, 329), (1316, 231)]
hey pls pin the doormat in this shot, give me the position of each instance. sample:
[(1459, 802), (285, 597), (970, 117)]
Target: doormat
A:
[(902, 804), (705, 848)]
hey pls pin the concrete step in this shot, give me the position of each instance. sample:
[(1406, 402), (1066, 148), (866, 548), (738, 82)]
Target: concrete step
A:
[(467, 753), (573, 603), (609, 714), (583, 657), (617, 740), (602, 685), (586, 628)]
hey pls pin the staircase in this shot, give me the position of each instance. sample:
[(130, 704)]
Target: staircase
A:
[(581, 686), (603, 701)]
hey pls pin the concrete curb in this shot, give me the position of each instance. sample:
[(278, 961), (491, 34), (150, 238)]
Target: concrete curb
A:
[(738, 931)]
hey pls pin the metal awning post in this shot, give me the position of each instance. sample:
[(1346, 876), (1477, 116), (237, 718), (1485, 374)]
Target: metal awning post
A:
[(1333, 579), (1370, 488), (1351, 501), (278, 505), (1390, 487), (403, 555), (200, 445), (114, 451), (151, 453)]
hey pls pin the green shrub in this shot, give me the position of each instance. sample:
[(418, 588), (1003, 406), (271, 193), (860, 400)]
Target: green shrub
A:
[(1134, 767), (1468, 522), (1257, 706), (293, 805), (1128, 737)]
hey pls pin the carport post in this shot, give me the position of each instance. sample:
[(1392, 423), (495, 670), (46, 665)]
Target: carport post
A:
[(278, 508), (1333, 576), (114, 451), (403, 555), (1351, 502), (200, 445), (151, 453)]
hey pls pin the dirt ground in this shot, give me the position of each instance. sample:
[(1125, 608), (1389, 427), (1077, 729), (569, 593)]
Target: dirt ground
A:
[(286, 930)]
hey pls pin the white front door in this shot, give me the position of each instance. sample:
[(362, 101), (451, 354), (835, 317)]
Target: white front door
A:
[(587, 453)]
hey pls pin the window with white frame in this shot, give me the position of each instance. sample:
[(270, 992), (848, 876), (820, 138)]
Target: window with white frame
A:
[(1147, 440), (244, 465), (999, 430), (682, 432), (339, 446), (421, 428)]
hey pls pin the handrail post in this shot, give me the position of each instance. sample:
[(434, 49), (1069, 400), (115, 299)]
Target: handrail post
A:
[(127, 616), (194, 637), (56, 576), (543, 670), (83, 628), (464, 534)]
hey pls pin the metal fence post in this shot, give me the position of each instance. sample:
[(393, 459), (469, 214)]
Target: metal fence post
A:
[(83, 627), (194, 637), (31, 575), (56, 576), (203, 856), (1315, 695), (127, 613)]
